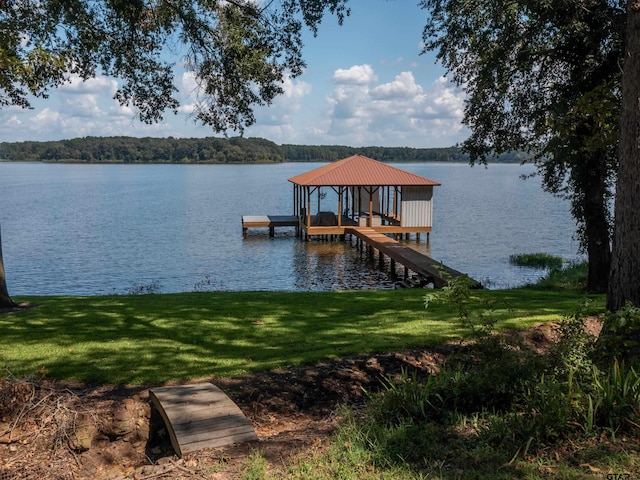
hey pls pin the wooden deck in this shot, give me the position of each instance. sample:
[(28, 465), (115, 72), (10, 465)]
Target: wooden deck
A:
[(415, 261), (200, 416), (268, 221)]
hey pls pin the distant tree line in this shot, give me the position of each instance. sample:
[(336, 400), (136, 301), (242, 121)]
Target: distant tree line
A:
[(214, 150)]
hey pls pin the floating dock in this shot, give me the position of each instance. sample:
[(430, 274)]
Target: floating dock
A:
[(268, 221)]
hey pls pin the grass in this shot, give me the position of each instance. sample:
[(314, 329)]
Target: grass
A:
[(151, 339), (537, 260)]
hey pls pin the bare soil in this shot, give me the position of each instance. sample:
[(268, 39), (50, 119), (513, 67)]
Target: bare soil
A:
[(57, 430)]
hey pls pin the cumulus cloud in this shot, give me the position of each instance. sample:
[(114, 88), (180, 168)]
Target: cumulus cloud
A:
[(403, 86), (398, 112), (100, 85), (356, 75), (354, 109)]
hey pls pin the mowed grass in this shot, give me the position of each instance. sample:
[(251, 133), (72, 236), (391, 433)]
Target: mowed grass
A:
[(152, 339)]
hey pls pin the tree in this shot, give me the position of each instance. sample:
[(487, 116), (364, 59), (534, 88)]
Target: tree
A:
[(5, 299), (624, 285), (542, 76), (238, 51)]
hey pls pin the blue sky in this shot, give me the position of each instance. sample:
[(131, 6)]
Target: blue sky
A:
[(365, 84)]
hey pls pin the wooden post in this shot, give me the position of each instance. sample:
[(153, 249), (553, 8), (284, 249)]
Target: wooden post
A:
[(308, 209), (340, 207), (370, 219), (395, 203)]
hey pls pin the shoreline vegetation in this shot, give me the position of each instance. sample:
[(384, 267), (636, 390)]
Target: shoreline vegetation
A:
[(527, 403), (213, 150), (448, 384)]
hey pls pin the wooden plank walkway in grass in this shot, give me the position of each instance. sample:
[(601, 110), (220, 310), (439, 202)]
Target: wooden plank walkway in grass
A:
[(200, 416), (415, 261)]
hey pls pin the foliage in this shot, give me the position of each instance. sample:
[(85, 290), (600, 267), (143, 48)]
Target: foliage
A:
[(238, 52), (572, 277), (457, 292), (502, 399), (213, 150), (620, 338), (146, 150), (536, 260), (542, 77)]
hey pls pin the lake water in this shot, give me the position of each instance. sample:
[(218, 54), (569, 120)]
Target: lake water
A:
[(99, 229)]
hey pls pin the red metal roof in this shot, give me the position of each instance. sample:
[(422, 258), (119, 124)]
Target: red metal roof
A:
[(359, 170)]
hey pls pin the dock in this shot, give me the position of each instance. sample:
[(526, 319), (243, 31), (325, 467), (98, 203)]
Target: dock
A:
[(268, 221), (426, 267), (200, 416), (376, 202), (430, 271)]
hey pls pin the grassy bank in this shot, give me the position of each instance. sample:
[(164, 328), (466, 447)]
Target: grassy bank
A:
[(150, 339)]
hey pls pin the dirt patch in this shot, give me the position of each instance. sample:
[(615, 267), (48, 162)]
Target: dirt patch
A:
[(52, 430)]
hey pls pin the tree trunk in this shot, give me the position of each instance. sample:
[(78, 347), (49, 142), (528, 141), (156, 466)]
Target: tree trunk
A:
[(5, 299), (593, 174), (624, 280)]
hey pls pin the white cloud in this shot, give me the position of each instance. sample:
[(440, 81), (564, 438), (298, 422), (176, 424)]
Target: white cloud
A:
[(356, 75), (99, 85), (403, 86), (357, 109), (399, 112)]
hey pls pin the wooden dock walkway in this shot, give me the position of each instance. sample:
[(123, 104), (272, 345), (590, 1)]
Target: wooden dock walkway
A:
[(421, 264), (200, 416)]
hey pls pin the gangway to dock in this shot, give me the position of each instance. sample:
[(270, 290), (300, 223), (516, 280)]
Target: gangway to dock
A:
[(426, 267)]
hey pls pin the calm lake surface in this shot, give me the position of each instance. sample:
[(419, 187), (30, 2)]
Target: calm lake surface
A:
[(101, 229)]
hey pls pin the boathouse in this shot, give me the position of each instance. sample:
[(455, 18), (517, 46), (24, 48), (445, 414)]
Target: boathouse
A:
[(364, 193), (372, 201)]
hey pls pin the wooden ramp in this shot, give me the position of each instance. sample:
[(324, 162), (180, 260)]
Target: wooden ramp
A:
[(415, 261), (200, 416)]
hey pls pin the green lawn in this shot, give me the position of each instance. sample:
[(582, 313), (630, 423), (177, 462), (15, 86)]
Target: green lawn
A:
[(150, 339)]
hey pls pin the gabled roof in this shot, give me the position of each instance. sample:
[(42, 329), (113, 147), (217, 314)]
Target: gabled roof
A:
[(359, 170)]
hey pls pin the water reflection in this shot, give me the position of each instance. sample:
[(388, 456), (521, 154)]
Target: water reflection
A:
[(335, 265)]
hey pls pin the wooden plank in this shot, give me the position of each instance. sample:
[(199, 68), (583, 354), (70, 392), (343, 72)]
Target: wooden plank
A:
[(258, 221), (220, 442), (200, 416)]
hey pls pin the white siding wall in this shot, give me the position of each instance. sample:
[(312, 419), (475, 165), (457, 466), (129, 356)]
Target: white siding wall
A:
[(361, 203), (417, 206)]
